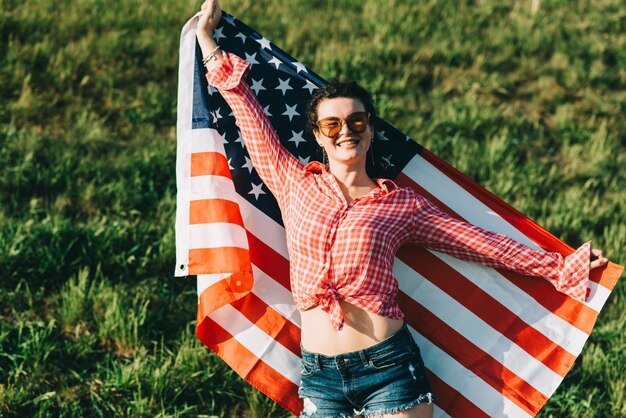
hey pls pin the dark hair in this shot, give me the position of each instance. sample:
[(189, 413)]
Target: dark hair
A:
[(338, 88)]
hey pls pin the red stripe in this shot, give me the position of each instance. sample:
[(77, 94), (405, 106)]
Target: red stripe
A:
[(472, 357), (606, 277), (223, 292), (452, 401), (248, 366), (214, 210), (218, 260), (487, 308), (570, 310), (268, 260), (209, 163), (270, 321)]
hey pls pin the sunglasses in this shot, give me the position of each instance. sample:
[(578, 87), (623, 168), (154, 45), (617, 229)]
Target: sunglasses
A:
[(357, 122)]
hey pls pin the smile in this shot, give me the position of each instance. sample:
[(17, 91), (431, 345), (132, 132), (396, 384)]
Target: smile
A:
[(348, 142)]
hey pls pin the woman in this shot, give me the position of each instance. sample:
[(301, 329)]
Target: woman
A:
[(343, 230)]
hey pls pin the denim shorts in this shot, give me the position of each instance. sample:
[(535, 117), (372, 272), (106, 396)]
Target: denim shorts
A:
[(386, 378)]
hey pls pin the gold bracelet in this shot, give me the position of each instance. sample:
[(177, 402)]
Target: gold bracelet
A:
[(211, 56)]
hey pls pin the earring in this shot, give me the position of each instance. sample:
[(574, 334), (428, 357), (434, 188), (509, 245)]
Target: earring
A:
[(372, 151), (324, 155)]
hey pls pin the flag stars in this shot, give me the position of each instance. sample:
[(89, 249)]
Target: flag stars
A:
[(299, 67), (290, 111), (265, 43), (283, 85), (229, 19), (251, 59), (242, 37), (310, 87), (217, 34), (257, 86), (387, 162), (230, 167), (239, 139), (297, 137), (214, 116), (304, 161), (275, 61), (266, 109), (256, 190), (248, 165)]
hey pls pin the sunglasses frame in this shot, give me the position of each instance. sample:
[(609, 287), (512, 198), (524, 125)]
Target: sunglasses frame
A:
[(326, 130)]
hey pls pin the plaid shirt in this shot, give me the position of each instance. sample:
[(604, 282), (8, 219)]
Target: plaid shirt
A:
[(341, 250)]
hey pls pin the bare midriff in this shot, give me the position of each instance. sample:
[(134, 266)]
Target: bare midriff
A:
[(361, 330)]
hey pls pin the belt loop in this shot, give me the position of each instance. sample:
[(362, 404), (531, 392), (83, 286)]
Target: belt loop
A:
[(364, 358), (318, 362)]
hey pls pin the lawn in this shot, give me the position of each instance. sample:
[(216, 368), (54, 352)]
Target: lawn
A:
[(92, 321)]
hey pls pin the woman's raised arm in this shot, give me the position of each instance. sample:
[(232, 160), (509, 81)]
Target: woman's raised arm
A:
[(226, 72)]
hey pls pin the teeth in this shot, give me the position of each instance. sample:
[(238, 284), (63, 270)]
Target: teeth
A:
[(352, 141)]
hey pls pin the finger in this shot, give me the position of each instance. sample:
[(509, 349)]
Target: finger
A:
[(598, 263), (595, 252)]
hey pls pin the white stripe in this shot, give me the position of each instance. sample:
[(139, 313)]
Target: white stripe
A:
[(275, 295), (212, 187), (185, 105), (440, 413), (477, 391), (258, 342), (205, 280), (476, 330), (206, 140), (216, 235), (598, 296), (461, 201), (520, 303), (263, 227)]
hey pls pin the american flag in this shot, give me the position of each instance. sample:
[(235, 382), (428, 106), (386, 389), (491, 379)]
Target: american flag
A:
[(495, 343)]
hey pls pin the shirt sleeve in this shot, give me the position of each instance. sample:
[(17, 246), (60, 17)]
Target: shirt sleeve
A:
[(270, 158), (438, 231)]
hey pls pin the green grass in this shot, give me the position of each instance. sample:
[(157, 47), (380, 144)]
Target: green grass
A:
[(92, 323)]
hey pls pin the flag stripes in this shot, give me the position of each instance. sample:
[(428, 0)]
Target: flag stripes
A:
[(207, 211), (495, 343), (478, 322), (572, 311)]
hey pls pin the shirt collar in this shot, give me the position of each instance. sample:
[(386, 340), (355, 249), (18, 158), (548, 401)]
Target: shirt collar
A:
[(316, 167)]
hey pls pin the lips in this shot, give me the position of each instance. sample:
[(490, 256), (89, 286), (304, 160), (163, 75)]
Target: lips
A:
[(348, 141)]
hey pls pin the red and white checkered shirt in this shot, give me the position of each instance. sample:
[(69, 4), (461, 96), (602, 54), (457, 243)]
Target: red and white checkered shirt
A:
[(346, 251)]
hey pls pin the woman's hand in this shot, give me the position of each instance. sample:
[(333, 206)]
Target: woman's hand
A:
[(204, 33), (596, 259), (209, 20)]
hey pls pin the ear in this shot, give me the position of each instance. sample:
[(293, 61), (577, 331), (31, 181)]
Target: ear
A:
[(316, 134)]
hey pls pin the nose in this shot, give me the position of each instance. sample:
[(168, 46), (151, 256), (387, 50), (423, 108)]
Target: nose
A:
[(345, 128)]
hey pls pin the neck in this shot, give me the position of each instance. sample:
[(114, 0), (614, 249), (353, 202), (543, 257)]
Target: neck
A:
[(350, 176), (353, 181)]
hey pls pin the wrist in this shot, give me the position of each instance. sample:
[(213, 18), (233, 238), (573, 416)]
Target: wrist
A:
[(204, 35)]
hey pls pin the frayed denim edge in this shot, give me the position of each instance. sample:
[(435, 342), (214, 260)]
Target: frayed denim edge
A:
[(341, 416), (426, 398)]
